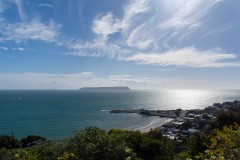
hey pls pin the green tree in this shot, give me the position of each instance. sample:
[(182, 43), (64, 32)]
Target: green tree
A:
[(148, 146), (197, 144), (225, 118), (224, 144), (96, 144), (8, 142), (156, 147), (50, 151)]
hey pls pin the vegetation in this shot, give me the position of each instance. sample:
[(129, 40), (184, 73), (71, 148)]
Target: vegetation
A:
[(8, 142), (225, 118), (96, 144), (224, 144)]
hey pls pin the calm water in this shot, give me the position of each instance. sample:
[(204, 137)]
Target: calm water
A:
[(56, 114)]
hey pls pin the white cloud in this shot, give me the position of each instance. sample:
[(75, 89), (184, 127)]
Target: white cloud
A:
[(45, 5), (34, 30), (106, 26), (21, 49), (187, 57)]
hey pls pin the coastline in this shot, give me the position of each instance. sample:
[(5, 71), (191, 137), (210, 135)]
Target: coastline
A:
[(158, 123), (179, 124)]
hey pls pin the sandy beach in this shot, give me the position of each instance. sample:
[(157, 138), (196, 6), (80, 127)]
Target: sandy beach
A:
[(157, 123)]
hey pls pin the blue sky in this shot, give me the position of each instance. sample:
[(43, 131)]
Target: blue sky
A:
[(155, 44)]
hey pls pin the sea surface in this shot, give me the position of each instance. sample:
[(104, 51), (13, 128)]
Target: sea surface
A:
[(56, 114)]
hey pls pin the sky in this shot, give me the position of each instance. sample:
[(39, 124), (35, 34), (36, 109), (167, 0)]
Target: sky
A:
[(143, 44)]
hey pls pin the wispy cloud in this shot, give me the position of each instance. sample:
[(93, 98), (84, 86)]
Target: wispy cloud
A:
[(187, 57), (45, 5), (11, 49), (21, 49), (20, 10), (147, 32), (4, 48), (187, 18), (150, 35), (34, 30), (97, 48), (189, 13), (139, 39), (132, 11)]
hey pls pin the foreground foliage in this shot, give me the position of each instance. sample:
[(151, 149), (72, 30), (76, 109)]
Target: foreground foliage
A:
[(96, 144), (225, 144)]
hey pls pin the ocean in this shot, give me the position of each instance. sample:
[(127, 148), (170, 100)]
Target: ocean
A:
[(56, 114)]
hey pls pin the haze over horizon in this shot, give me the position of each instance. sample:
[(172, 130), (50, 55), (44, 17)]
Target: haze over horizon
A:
[(144, 44)]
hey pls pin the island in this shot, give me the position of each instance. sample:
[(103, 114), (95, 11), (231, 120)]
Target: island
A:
[(121, 88)]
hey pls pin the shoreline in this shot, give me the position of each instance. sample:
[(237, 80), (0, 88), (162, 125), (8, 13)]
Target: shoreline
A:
[(177, 117), (158, 123)]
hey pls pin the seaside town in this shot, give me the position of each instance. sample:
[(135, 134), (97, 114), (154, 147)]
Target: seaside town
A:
[(184, 123)]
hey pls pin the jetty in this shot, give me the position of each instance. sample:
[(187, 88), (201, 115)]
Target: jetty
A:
[(126, 111), (160, 113)]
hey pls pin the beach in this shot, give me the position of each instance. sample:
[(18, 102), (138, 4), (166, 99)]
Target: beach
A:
[(152, 125)]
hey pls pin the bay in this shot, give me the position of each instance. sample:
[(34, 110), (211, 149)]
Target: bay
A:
[(56, 114)]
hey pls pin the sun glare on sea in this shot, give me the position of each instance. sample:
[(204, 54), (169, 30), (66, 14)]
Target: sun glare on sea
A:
[(189, 97)]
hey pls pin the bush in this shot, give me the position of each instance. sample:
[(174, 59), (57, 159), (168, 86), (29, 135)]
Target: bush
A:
[(225, 119), (94, 144), (224, 144), (8, 142)]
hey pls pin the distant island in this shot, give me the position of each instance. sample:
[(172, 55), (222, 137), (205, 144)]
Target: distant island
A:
[(105, 89)]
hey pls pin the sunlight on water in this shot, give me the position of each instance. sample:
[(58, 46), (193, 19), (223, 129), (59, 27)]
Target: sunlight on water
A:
[(187, 98)]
